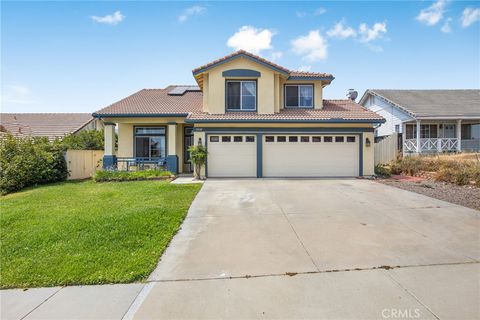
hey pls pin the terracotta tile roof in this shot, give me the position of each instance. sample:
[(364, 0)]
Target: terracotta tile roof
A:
[(291, 73), (341, 110), (156, 102), (299, 74), (51, 125)]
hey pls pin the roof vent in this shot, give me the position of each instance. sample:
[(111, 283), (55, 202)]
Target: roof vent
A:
[(352, 94), (181, 90)]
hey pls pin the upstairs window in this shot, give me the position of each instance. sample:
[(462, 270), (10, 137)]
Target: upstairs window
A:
[(241, 95), (299, 96)]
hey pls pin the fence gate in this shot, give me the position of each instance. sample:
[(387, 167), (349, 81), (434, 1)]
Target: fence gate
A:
[(386, 148), (82, 164)]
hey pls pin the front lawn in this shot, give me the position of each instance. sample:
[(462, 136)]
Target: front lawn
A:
[(88, 233)]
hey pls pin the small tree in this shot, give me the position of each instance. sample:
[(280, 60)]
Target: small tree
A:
[(198, 157), (84, 140)]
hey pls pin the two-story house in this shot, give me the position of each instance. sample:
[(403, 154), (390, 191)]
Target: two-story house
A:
[(256, 118)]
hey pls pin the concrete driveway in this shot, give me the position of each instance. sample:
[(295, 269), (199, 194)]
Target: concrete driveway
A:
[(317, 249)]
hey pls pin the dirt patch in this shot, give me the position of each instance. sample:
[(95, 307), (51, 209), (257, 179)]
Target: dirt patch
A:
[(467, 196)]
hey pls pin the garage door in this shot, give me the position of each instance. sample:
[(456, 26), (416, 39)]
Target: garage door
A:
[(310, 155), (232, 156)]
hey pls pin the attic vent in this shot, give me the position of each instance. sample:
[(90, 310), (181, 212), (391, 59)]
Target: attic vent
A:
[(180, 90)]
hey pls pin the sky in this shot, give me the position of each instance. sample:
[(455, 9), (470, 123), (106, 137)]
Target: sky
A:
[(64, 56)]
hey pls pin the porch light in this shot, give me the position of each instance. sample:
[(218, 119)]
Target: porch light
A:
[(199, 141), (367, 142)]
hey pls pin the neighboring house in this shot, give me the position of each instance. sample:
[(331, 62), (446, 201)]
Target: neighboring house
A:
[(256, 118), (448, 120), (50, 125)]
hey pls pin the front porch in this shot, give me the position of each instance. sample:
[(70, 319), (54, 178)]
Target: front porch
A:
[(147, 143), (441, 136)]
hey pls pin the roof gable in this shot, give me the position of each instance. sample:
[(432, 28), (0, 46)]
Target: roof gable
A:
[(290, 74), (241, 54)]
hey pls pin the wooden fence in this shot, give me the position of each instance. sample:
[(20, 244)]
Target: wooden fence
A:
[(386, 149), (82, 164)]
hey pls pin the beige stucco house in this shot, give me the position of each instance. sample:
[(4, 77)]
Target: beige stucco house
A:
[(256, 118)]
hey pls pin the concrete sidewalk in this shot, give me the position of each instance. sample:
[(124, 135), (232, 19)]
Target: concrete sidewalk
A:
[(76, 302)]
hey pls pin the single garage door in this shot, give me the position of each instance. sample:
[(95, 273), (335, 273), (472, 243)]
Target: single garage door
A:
[(232, 156), (310, 155)]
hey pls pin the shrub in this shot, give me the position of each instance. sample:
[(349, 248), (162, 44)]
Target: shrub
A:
[(84, 140), (115, 175), (383, 170), (29, 161), (447, 169), (198, 157)]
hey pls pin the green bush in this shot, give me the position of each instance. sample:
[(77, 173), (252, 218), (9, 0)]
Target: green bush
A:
[(29, 161), (114, 175), (383, 170), (84, 140)]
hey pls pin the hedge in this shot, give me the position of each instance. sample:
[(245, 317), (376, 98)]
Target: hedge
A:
[(29, 161), (114, 175)]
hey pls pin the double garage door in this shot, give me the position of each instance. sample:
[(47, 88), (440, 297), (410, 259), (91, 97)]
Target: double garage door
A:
[(283, 155)]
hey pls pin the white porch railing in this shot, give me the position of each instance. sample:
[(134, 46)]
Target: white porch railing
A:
[(431, 145)]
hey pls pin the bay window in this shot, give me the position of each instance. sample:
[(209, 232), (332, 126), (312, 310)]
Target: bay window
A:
[(150, 142), (241, 95), (299, 96)]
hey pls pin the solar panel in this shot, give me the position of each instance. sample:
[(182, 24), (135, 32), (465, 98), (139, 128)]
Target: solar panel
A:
[(180, 90)]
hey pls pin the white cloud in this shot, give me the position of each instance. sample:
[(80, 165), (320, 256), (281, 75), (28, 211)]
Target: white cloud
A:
[(251, 39), (17, 94), (446, 28), (276, 55), (313, 46), (191, 11), (375, 32), (305, 68), (341, 31), (319, 11), (301, 14), (433, 14), (111, 19), (470, 16)]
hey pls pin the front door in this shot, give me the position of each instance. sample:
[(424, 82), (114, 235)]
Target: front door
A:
[(449, 131), (187, 142)]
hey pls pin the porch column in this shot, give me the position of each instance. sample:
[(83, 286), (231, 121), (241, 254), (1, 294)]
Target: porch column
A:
[(109, 157), (404, 137), (172, 156), (419, 149), (459, 135)]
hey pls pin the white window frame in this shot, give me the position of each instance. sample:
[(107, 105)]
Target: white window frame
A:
[(298, 85), (241, 95)]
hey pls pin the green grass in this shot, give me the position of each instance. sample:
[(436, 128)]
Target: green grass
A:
[(88, 233)]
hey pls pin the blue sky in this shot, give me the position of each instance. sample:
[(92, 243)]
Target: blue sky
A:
[(82, 56)]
